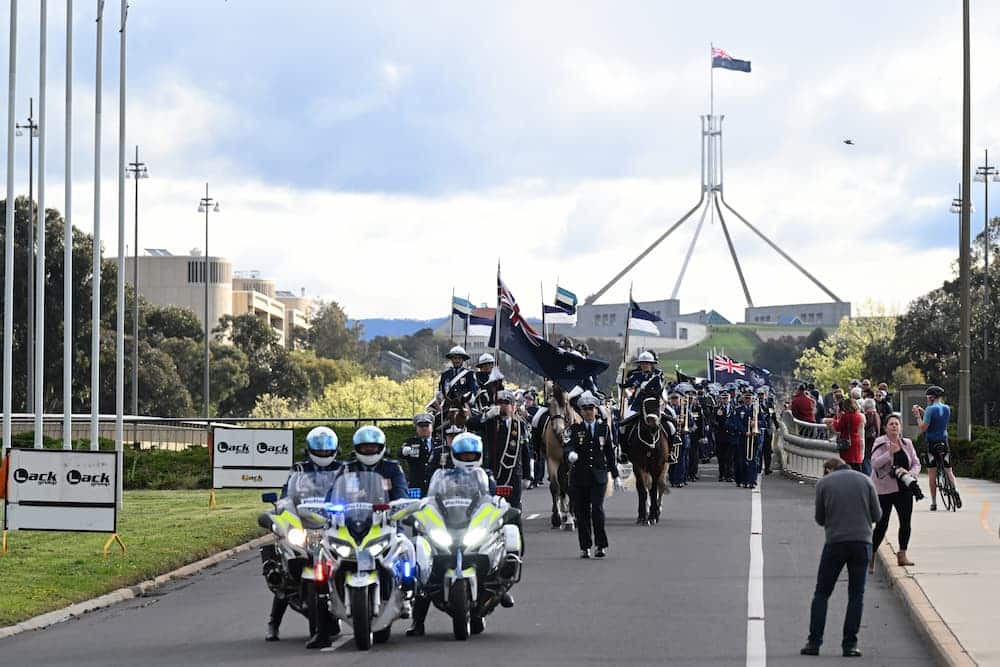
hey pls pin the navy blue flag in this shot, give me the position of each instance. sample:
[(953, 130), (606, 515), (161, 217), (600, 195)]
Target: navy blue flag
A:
[(758, 377), (722, 59), (566, 368)]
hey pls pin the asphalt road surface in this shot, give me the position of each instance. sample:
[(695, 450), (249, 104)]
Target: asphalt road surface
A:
[(676, 593)]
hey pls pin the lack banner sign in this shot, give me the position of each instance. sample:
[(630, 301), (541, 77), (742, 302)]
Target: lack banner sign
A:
[(250, 458)]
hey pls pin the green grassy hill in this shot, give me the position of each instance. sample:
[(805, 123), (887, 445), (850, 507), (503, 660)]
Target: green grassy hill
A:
[(738, 341)]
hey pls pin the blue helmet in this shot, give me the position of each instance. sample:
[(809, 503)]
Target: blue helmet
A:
[(467, 451), (321, 445), (369, 445)]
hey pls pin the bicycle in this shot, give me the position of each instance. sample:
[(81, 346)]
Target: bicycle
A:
[(944, 486)]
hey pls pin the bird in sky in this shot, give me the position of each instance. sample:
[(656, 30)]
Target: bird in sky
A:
[(849, 142)]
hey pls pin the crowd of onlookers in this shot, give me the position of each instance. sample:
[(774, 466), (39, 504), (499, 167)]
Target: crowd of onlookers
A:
[(857, 415)]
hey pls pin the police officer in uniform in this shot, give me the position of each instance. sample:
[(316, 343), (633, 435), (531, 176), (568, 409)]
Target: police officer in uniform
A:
[(678, 473), (321, 452), (591, 456), (505, 438), (694, 433), (417, 450), (489, 380), (458, 374), (767, 424), (645, 371), (725, 436), (742, 424)]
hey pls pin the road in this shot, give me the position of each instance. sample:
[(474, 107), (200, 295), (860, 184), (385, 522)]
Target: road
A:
[(676, 592)]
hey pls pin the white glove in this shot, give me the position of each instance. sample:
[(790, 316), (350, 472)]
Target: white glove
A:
[(619, 484), (572, 457), (410, 451), (493, 412)]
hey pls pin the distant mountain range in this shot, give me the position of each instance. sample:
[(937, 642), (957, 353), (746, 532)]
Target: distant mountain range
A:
[(378, 326)]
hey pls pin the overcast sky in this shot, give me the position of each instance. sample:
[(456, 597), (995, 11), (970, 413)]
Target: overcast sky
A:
[(381, 154)]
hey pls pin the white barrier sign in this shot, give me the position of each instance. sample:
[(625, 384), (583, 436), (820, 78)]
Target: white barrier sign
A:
[(250, 458), (52, 489)]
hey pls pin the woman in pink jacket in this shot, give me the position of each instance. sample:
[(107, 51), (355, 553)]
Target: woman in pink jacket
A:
[(889, 453)]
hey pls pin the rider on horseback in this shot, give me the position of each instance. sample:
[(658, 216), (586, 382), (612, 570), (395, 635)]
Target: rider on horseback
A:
[(458, 374)]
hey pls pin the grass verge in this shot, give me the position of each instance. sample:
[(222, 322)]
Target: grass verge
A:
[(163, 530)]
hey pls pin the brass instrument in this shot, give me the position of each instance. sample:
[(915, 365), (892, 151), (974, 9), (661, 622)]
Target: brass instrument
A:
[(685, 412), (754, 429)]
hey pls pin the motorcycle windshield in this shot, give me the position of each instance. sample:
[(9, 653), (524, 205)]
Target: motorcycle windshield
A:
[(458, 493), (307, 491), (355, 494)]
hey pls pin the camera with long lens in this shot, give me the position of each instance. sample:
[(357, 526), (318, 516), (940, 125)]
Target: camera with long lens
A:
[(909, 482)]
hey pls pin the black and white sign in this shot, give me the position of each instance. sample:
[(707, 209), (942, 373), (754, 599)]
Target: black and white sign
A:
[(251, 458), (53, 489)]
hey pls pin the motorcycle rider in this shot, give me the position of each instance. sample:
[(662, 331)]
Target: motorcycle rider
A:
[(321, 451), (369, 456), (466, 453)]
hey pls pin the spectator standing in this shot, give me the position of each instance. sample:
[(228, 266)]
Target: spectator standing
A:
[(873, 429), (849, 426), (883, 404), (846, 507), (891, 453), (803, 406), (829, 399)]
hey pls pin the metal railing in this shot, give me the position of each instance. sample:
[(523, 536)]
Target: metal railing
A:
[(176, 433), (804, 446)]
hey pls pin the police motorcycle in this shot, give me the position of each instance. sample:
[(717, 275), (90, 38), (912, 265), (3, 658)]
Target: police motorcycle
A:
[(365, 566), (297, 522), (468, 545)]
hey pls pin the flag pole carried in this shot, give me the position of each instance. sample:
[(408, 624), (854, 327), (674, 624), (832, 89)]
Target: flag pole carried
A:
[(541, 292), (628, 324), (451, 317), (496, 322), (465, 342)]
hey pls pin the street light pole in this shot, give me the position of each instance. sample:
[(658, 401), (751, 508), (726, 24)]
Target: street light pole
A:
[(136, 170), (964, 408), (983, 174), (207, 204), (32, 128), (8, 242)]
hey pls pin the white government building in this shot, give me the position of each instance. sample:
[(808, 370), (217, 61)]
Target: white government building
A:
[(179, 280)]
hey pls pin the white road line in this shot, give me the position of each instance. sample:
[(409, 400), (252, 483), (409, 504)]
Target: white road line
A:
[(756, 641)]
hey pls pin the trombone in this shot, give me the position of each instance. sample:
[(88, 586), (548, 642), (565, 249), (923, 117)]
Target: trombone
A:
[(754, 429)]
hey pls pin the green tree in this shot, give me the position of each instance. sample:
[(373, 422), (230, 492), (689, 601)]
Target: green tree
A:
[(331, 337), (841, 356), (161, 322), (778, 355), (815, 337)]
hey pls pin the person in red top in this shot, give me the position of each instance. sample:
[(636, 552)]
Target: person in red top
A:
[(803, 406), (849, 425)]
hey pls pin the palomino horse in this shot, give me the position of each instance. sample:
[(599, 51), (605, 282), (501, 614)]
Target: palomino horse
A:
[(648, 447), (559, 417)]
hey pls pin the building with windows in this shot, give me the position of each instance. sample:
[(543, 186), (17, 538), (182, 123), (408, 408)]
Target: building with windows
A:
[(179, 280), (808, 314)]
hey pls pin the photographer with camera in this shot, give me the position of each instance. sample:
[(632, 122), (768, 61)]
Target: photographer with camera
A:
[(895, 466)]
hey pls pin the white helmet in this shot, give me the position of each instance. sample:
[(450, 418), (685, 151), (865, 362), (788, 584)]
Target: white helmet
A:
[(646, 356), (321, 445), (369, 445), (485, 358), (467, 451), (457, 351)]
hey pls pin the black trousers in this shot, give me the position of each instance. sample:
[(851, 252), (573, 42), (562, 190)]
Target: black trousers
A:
[(903, 502), (694, 457), (588, 504), (724, 452)]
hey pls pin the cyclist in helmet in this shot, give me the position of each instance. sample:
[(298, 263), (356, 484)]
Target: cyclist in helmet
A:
[(934, 426), (321, 455)]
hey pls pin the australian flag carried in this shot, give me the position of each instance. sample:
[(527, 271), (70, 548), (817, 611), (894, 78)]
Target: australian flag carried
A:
[(521, 341), (723, 60), (725, 370)]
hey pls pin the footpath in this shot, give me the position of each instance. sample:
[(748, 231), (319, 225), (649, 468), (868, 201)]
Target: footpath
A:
[(957, 570)]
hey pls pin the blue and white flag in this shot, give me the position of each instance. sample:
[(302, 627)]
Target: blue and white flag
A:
[(461, 307), (642, 320), (566, 300), (480, 326), (558, 315)]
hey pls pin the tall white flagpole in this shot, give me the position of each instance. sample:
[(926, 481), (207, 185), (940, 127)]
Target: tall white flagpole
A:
[(8, 287), (39, 343), (95, 308), (68, 243), (120, 323)]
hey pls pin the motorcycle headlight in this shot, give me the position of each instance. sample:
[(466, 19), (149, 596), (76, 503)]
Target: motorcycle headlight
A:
[(474, 537), (297, 537), (377, 548), (343, 550), (440, 537)]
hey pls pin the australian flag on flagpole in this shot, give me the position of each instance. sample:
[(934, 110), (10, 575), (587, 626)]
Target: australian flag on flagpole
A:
[(520, 340), (725, 370), (723, 60)]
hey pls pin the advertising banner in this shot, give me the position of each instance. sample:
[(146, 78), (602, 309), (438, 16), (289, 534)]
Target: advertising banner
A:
[(250, 458), (53, 489)]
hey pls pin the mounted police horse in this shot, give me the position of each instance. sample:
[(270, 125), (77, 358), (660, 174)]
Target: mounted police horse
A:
[(454, 408), (557, 420), (648, 445)]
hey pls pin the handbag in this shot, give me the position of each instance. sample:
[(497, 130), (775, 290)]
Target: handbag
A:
[(843, 444)]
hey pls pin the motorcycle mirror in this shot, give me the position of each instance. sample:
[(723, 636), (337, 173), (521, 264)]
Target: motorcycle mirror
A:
[(264, 519), (269, 497), (504, 491)]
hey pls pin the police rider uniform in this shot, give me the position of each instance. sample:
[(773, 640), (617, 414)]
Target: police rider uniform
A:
[(589, 450), (639, 376), (321, 451), (458, 374), (505, 440)]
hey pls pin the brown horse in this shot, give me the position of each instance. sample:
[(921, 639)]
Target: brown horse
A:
[(648, 446), (454, 409), (559, 417)]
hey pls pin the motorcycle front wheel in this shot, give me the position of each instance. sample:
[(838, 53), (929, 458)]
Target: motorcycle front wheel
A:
[(361, 618), (460, 617)]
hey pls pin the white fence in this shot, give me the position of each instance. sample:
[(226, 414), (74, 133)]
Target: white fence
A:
[(804, 446)]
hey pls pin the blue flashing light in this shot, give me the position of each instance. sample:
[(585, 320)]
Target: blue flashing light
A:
[(414, 493), (336, 509)]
